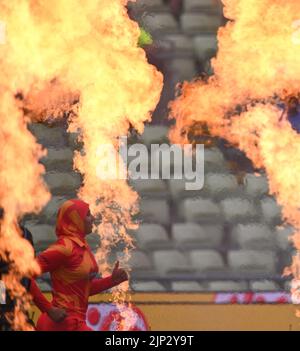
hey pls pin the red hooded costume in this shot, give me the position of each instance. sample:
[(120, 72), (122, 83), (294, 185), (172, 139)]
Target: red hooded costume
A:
[(72, 267)]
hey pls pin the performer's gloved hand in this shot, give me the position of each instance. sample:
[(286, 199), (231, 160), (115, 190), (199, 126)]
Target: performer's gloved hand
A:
[(57, 314), (118, 275)]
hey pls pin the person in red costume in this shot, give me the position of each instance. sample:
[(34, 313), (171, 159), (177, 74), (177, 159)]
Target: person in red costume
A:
[(73, 269)]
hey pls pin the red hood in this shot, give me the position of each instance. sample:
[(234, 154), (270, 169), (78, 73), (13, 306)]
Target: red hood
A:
[(70, 219)]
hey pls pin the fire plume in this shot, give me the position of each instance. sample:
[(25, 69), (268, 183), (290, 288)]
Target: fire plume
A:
[(256, 69), (71, 56)]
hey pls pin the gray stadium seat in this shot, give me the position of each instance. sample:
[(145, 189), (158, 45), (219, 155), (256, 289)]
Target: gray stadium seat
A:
[(206, 261), (73, 140), (213, 160), (141, 263), (201, 210), (49, 213), (155, 211), (192, 5), (247, 261), (171, 261), (154, 135), (58, 159), (178, 188), (186, 286), (254, 236), (236, 210), (43, 235), (271, 211), (160, 23), (192, 235), (221, 185), (150, 5), (178, 43), (147, 286), (231, 286), (193, 23), (62, 182), (203, 44), (151, 187), (152, 236), (256, 186), (183, 69), (264, 285), (283, 236), (48, 136)]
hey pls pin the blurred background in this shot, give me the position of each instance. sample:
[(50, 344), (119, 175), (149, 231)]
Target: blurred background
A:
[(227, 237)]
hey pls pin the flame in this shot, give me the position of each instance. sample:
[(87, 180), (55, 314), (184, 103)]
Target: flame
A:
[(256, 67), (79, 58)]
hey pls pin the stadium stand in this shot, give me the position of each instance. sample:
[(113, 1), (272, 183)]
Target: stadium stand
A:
[(228, 236)]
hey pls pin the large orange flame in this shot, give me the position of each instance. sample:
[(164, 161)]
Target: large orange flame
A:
[(257, 65), (79, 56)]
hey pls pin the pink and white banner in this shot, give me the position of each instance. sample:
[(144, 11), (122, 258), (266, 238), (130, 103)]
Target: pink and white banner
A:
[(249, 298), (106, 317)]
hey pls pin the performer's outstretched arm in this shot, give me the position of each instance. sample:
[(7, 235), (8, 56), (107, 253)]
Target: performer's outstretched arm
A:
[(38, 298), (99, 285), (118, 276)]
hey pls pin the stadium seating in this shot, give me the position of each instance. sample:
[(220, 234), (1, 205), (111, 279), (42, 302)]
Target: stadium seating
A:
[(192, 5), (49, 137), (193, 236), (59, 159), (63, 182), (264, 285), (206, 261), (227, 286), (186, 286), (155, 211), (154, 187), (271, 211), (283, 236), (49, 213), (252, 261), (185, 238), (154, 135), (147, 286), (179, 44), (193, 23), (151, 5), (160, 23), (171, 262), (183, 69), (238, 210), (220, 185), (42, 235), (203, 44), (255, 186), (254, 236), (141, 263), (201, 210), (152, 236), (214, 160)]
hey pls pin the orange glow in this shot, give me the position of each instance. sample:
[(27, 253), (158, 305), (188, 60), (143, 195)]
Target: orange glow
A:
[(64, 55), (256, 66)]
